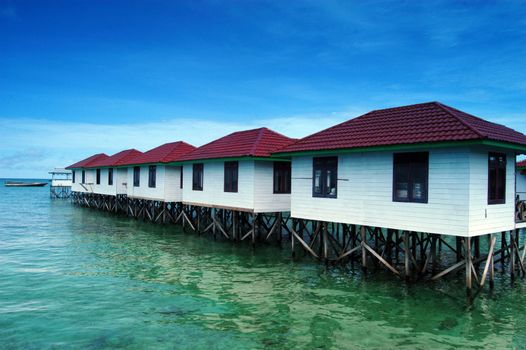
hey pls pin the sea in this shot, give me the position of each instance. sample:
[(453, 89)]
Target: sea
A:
[(78, 278)]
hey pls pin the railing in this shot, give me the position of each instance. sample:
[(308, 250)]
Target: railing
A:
[(520, 209)]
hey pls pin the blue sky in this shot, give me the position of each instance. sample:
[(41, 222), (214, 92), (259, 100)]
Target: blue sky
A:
[(79, 77)]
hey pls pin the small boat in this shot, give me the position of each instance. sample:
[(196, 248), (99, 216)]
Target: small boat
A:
[(24, 184)]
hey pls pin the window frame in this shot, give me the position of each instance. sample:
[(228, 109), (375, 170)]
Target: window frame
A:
[(231, 176), (322, 164), (287, 182), (412, 157), (136, 176), (198, 168), (497, 200), (110, 176), (152, 176), (181, 178)]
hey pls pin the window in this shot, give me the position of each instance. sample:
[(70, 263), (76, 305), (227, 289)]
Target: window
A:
[(410, 177), (281, 177), (231, 173), (73, 176), (496, 178), (152, 176), (197, 177), (98, 176), (325, 177), (110, 176), (181, 179), (136, 176), (83, 176)]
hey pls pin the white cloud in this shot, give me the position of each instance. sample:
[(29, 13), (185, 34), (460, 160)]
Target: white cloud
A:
[(31, 147)]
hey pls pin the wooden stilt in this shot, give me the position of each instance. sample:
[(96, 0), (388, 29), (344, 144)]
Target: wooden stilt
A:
[(467, 250), (406, 256), (364, 254), (512, 256)]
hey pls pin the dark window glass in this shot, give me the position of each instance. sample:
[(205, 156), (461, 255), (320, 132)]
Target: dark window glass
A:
[(152, 176), (83, 176), (231, 174), (181, 179), (110, 176), (496, 178), (73, 176), (325, 177), (281, 177), (197, 177), (410, 177), (136, 176), (98, 176)]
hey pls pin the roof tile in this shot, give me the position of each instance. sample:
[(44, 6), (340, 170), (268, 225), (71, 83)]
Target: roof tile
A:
[(85, 163), (249, 143), (425, 122), (169, 152)]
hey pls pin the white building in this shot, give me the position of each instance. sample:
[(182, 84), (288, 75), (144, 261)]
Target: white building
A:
[(238, 172), (83, 177), (425, 168), (151, 175), (109, 176)]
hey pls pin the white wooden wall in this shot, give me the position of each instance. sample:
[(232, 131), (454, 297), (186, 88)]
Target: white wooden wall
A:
[(172, 184), (89, 181), (167, 187), (365, 194), (121, 180), (213, 193), (255, 188), (492, 218), (265, 200), (103, 187)]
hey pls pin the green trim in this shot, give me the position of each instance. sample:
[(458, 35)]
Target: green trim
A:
[(407, 147), (228, 159)]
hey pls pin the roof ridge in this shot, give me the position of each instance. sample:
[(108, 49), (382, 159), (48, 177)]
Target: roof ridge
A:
[(258, 139), (454, 114)]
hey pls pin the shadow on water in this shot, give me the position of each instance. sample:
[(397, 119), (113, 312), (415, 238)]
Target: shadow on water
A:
[(75, 277)]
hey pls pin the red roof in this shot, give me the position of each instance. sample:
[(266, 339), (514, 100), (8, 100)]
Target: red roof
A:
[(87, 162), (169, 152), (521, 164), (117, 159), (426, 122), (249, 143)]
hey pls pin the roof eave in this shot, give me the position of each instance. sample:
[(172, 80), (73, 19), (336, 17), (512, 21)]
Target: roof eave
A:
[(227, 159), (492, 143)]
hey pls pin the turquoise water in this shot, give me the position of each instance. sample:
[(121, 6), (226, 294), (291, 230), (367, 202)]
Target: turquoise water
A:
[(77, 278)]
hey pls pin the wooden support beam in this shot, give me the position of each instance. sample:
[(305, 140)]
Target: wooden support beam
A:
[(489, 260), (364, 254), (449, 270), (512, 256), (382, 260), (468, 258), (305, 245), (406, 256)]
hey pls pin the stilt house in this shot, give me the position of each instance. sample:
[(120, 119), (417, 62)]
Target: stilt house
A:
[(237, 172), (150, 175), (422, 168), (82, 176), (110, 177)]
